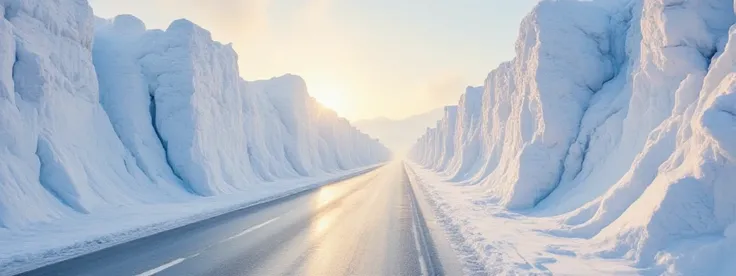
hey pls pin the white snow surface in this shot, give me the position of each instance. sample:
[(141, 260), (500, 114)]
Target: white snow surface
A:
[(102, 114), (615, 122)]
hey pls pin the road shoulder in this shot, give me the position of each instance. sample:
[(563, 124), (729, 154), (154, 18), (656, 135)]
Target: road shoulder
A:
[(437, 251)]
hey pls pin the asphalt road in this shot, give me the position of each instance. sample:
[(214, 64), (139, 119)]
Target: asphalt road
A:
[(366, 225)]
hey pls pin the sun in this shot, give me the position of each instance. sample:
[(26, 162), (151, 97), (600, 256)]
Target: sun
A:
[(329, 97), (330, 102)]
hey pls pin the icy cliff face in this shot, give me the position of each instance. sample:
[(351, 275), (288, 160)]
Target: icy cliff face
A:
[(126, 95), (220, 133), (290, 99), (195, 88), (124, 115), (614, 117), (60, 153), (467, 139)]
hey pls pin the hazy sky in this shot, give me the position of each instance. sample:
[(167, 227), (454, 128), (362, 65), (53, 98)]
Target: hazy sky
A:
[(363, 58)]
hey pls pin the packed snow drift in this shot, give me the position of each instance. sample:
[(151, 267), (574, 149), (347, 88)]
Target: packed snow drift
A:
[(617, 118), (103, 114)]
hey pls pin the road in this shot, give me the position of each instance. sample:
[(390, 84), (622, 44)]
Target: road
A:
[(366, 225)]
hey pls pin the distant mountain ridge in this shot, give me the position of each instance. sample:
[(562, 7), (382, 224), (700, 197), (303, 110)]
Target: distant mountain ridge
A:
[(399, 134)]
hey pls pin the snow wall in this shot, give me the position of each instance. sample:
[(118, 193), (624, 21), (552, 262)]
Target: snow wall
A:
[(99, 114), (616, 116)]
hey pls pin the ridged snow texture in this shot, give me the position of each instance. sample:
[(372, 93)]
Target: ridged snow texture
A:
[(618, 115), (123, 115)]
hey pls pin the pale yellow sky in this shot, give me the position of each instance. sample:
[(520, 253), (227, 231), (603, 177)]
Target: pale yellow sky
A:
[(364, 59)]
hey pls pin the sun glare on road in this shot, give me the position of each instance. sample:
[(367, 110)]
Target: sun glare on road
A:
[(321, 261), (325, 196)]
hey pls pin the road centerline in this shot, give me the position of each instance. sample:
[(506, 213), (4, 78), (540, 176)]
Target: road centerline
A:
[(181, 260), (164, 266), (251, 229)]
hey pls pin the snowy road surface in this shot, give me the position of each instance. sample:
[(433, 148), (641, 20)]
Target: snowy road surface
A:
[(365, 225)]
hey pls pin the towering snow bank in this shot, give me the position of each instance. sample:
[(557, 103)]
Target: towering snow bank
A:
[(220, 133), (691, 193), (187, 90), (616, 119), (467, 134), (265, 133), (534, 105), (168, 119), (198, 107), (59, 151), (445, 139), (289, 96), (124, 93), (698, 178)]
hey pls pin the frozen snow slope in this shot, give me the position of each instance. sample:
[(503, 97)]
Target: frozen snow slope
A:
[(618, 120), (96, 114), (60, 154)]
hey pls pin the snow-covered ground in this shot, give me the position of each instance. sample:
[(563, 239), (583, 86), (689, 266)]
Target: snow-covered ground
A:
[(104, 120), (615, 122), (489, 240)]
